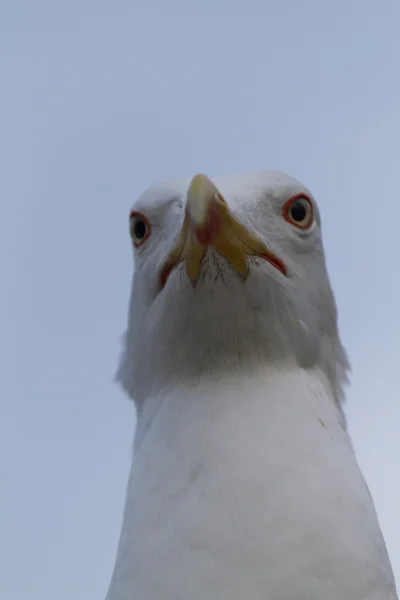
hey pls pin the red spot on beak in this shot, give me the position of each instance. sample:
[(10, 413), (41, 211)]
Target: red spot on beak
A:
[(206, 234)]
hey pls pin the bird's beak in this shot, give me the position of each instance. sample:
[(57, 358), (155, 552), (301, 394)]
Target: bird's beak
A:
[(209, 222)]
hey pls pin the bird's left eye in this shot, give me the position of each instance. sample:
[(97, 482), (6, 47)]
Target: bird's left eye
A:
[(139, 228), (299, 211)]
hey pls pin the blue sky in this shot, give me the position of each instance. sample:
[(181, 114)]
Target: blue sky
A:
[(98, 101)]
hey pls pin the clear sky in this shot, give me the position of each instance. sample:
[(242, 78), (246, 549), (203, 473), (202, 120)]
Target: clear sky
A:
[(99, 100)]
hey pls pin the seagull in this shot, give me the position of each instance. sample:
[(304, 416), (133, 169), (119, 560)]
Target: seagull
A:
[(244, 483)]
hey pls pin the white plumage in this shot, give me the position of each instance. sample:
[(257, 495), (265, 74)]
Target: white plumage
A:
[(244, 483)]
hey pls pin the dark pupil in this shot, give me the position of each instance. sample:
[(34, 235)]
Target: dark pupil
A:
[(298, 211), (139, 229)]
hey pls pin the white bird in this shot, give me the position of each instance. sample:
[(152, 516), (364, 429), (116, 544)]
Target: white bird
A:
[(244, 483)]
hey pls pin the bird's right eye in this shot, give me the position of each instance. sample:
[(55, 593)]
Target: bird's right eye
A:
[(139, 228)]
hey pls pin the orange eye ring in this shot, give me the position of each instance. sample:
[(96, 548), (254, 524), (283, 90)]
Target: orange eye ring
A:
[(298, 211), (139, 228)]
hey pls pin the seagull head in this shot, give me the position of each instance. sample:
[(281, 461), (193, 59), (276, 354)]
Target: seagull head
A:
[(229, 275)]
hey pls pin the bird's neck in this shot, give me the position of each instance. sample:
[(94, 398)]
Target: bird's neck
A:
[(274, 395)]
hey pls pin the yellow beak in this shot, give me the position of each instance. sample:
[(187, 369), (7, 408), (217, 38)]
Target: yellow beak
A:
[(209, 222)]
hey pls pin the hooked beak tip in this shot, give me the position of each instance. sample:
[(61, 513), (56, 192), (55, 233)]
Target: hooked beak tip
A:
[(201, 209)]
